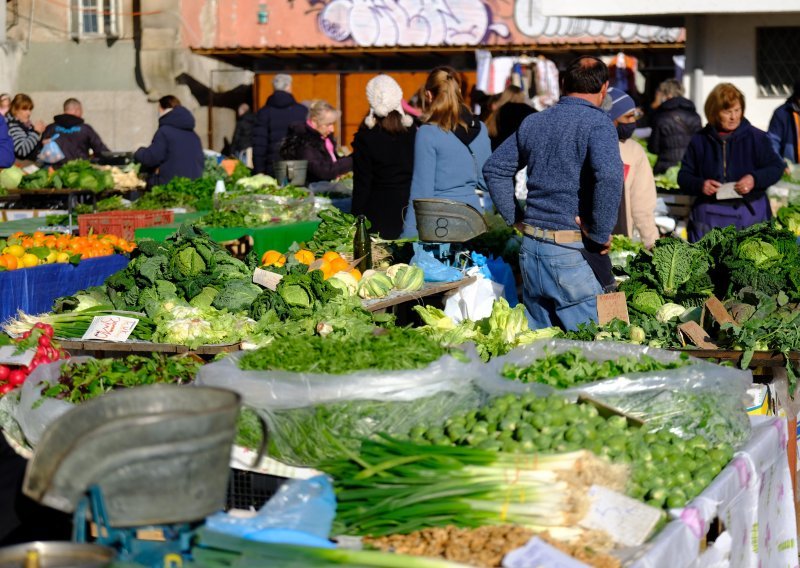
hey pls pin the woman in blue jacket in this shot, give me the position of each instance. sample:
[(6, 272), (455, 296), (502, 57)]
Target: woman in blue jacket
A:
[(729, 150), (450, 148), (176, 151)]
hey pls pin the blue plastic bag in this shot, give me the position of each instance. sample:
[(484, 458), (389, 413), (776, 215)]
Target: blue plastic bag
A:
[(300, 513), (498, 270), (435, 270)]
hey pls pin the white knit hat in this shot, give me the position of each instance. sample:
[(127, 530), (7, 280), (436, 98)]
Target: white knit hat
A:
[(385, 95)]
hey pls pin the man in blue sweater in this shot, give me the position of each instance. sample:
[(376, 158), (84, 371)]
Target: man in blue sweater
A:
[(575, 178)]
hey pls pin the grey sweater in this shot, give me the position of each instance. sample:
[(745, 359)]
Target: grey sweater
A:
[(571, 152)]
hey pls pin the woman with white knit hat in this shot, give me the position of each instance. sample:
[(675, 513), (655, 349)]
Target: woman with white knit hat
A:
[(383, 158)]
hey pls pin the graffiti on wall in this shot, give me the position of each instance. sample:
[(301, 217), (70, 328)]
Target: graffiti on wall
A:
[(410, 22), (382, 23)]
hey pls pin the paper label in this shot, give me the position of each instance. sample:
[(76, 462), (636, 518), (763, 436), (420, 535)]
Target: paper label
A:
[(726, 191), (267, 279), (110, 328), (612, 306), (8, 357), (538, 554), (354, 263), (316, 265), (697, 335), (627, 521), (718, 311)]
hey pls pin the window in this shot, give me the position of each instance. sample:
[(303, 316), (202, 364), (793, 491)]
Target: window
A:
[(777, 60), (95, 18)]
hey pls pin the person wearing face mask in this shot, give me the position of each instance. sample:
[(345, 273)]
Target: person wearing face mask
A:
[(728, 165), (313, 141), (638, 205), (176, 151)]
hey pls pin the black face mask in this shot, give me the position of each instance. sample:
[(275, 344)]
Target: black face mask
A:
[(625, 131)]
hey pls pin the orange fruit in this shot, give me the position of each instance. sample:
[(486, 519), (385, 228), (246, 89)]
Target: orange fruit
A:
[(331, 255), (304, 256), (339, 265), (273, 258), (10, 261), (356, 273)]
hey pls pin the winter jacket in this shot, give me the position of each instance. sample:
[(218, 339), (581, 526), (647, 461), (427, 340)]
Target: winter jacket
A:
[(75, 137), (176, 151), (574, 168), (784, 130), (638, 205), (305, 143), (509, 117), (448, 165), (243, 133), (27, 142), (6, 146), (747, 150), (272, 126), (382, 167), (673, 125)]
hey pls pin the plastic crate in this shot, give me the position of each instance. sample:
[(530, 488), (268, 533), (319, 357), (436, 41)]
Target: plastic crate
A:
[(122, 223), (247, 489)]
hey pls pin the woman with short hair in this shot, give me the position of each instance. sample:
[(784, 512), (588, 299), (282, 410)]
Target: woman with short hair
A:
[(450, 148), (313, 141), (26, 135), (728, 154)]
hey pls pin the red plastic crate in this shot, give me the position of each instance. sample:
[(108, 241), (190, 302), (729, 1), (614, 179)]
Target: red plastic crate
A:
[(122, 223)]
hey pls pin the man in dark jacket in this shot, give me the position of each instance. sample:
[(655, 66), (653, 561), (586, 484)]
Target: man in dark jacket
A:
[(674, 123), (75, 137), (176, 151), (272, 124), (242, 142), (784, 128)]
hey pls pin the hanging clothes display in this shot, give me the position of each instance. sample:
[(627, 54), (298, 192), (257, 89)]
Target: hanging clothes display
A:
[(545, 82), (622, 71)]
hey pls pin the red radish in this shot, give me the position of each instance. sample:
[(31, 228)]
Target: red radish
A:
[(16, 378), (44, 341), (47, 329), (6, 388), (52, 354), (26, 335), (4, 372)]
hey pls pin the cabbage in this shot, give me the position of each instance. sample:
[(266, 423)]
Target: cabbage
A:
[(647, 301), (10, 177), (345, 282), (758, 252), (669, 311)]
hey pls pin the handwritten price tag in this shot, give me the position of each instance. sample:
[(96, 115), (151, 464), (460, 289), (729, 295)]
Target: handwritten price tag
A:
[(110, 328)]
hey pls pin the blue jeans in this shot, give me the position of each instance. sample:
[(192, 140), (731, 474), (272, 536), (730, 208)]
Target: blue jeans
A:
[(559, 287)]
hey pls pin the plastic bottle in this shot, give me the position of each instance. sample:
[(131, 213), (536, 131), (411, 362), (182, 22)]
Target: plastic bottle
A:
[(362, 245), (219, 190)]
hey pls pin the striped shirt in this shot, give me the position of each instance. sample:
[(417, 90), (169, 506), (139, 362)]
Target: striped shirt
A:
[(26, 139)]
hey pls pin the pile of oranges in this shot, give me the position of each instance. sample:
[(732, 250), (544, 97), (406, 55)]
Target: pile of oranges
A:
[(25, 251), (329, 263)]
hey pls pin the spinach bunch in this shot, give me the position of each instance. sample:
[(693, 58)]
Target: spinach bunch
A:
[(80, 382)]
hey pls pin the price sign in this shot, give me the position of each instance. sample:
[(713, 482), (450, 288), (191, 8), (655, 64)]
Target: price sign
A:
[(612, 306), (267, 279), (110, 328)]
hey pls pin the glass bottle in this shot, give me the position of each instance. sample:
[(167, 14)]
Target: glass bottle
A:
[(362, 245)]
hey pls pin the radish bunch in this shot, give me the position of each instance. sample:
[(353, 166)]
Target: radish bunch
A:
[(40, 337)]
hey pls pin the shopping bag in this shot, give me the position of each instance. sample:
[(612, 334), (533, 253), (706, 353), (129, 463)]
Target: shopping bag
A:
[(51, 152), (474, 301)]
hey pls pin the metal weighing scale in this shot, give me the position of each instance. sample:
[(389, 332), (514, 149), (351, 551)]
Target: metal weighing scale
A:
[(154, 457), (443, 225)]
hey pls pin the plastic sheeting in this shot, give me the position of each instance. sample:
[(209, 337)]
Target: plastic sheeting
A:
[(33, 290), (752, 497)]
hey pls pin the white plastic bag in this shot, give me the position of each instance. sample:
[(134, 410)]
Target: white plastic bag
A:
[(474, 301), (314, 417)]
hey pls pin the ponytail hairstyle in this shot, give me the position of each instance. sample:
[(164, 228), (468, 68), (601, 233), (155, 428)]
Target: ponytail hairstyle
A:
[(444, 109)]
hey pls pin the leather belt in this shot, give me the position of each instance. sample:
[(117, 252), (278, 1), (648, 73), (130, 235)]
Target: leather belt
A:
[(558, 237)]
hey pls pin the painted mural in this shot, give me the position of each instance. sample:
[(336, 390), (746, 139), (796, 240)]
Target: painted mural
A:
[(402, 23), (382, 23)]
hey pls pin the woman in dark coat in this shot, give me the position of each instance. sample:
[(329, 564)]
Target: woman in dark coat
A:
[(730, 151), (176, 151), (313, 141), (383, 159), (673, 123)]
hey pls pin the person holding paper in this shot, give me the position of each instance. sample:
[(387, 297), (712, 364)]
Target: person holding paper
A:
[(728, 165)]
